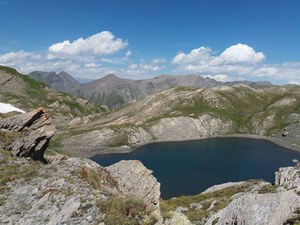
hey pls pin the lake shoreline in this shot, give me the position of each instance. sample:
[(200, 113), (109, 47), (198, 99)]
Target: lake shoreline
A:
[(207, 162), (88, 152)]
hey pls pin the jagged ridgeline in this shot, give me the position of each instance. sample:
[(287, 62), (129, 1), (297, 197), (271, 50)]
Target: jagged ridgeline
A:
[(114, 91), (26, 93)]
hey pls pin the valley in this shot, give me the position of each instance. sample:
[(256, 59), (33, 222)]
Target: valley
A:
[(83, 129), (175, 114)]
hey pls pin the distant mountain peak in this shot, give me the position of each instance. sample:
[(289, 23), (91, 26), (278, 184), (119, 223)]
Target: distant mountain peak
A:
[(61, 82), (115, 91)]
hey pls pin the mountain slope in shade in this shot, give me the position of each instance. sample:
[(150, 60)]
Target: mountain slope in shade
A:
[(114, 91), (61, 82)]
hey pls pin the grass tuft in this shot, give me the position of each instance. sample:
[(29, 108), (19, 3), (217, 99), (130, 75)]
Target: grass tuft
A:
[(126, 211)]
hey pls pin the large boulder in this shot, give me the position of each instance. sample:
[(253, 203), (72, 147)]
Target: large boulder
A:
[(35, 131), (259, 209), (268, 208), (288, 178), (135, 179)]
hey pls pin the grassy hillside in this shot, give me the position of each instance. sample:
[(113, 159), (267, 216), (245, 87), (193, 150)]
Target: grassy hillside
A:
[(27, 94), (187, 113)]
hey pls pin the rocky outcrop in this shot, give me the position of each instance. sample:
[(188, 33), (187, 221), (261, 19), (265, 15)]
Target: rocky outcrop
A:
[(135, 179), (267, 208), (75, 191), (180, 128), (35, 131), (288, 178), (259, 209), (138, 136), (10, 81), (166, 129), (56, 193)]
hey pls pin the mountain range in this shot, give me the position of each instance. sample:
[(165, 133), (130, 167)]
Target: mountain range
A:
[(173, 114), (114, 91)]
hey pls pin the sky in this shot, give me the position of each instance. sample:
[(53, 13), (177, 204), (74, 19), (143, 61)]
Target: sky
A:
[(139, 39)]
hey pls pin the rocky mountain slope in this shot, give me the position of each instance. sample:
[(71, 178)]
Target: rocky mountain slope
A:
[(191, 113), (67, 190), (27, 94), (79, 191), (61, 82), (115, 92)]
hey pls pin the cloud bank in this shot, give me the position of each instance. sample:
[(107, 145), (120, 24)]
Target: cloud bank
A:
[(237, 59), (103, 53), (237, 62)]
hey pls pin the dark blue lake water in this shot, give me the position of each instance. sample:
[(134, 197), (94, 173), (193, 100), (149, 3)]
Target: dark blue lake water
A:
[(188, 168)]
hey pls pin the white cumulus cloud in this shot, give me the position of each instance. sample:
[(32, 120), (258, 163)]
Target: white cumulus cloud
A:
[(21, 60), (237, 59), (103, 43), (236, 62), (240, 53), (198, 56), (18, 56), (289, 72)]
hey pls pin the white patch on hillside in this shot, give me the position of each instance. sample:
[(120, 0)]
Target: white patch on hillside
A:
[(5, 108)]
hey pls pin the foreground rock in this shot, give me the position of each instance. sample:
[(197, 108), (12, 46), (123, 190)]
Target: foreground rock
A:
[(79, 191), (33, 133), (72, 191), (268, 208), (135, 179)]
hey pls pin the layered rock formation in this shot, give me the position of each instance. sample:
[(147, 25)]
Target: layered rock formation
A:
[(77, 191), (268, 208), (135, 179), (35, 129), (68, 190)]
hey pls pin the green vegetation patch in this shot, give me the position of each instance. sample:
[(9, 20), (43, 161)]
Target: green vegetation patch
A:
[(14, 171), (7, 138), (120, 141), (215, 221), (95, 177), (126, 211), (269, 188), (2, 200), (8, 70)]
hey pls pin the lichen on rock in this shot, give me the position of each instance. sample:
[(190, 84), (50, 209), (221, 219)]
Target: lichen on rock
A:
[(35, 131)]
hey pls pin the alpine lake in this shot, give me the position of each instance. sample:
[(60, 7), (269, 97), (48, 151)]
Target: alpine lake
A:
[(190, 167)]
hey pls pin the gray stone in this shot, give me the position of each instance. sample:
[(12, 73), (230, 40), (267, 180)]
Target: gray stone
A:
[(196, 206), (135, 179), (89, 218), (264, 209), (36, 129)]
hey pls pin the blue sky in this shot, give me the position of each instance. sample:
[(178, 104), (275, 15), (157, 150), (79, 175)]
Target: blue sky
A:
[(137, 39)]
